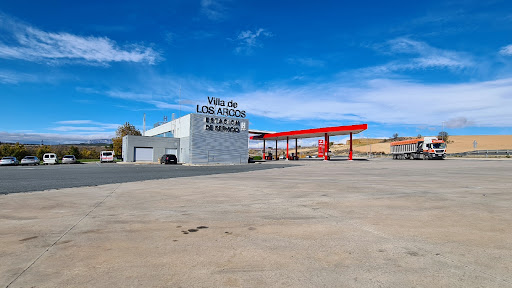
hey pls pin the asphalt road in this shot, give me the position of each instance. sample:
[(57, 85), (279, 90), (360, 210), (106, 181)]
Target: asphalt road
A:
[(15, 179)]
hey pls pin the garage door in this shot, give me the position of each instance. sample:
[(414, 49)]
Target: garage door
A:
[(143, 154)]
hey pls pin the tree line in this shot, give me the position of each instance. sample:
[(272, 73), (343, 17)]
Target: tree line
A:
[(20, 150)]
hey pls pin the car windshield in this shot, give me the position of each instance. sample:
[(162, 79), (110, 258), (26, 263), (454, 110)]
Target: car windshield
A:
[(7, 158), (439, 145), (107, 154), (29, 157), (68, 156)]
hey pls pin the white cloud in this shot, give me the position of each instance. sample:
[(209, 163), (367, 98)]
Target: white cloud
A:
[(11, 77), (32, 44), (86, 125), (54, 138), (396, 102), (309, 62), (507, 50), (213, 9), (163, 92), (423, 57), (248, 40), (458, 122)]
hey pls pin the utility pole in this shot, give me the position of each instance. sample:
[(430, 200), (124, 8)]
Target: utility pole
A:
[(443, 132), (144, 125)]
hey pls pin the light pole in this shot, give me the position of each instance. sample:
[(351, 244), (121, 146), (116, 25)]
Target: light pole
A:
[(443, 132)]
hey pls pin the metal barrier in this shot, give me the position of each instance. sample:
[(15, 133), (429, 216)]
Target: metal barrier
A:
[(485, 153)]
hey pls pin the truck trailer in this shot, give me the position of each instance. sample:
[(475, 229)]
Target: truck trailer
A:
[(424, 148)]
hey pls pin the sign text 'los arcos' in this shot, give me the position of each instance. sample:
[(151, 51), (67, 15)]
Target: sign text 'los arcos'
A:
[(226, 109)]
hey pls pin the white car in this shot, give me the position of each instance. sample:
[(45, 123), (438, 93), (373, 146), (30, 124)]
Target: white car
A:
[(69, 159), (9, 160), (30, 160), (50, 158)]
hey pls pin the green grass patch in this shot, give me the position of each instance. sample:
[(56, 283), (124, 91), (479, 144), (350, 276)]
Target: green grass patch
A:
[(256, 158), (88, 160)]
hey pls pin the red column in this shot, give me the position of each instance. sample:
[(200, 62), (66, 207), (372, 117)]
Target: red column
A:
[(326, 145), (350, 154), (263, 149), (287, 148)]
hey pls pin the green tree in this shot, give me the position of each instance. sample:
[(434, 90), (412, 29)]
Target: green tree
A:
[(19, 151), (395, 136), (73, 150), (16, 150), (443, 135), (126, 129), (419, 136), (5, 150)]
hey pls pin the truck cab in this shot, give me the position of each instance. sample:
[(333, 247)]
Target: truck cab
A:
[(434, 148)]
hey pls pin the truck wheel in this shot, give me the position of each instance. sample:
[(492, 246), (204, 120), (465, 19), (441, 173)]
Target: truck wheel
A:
[(411, 156)]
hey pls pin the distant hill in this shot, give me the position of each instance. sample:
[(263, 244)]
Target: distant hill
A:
[(53, 142), (457, 144)]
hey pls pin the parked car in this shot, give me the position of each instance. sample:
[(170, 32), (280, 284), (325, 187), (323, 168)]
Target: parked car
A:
[(50, 158), (106, 156), (168, 159), (69, 159), (9, 160), (30, 160)]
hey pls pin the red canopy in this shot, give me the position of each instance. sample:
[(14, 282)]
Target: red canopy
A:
[(313, 133)]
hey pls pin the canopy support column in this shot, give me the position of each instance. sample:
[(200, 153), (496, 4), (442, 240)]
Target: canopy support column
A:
[(350, 153), (277, 157), (287, 138), (264, 149), (326, 147), (296, 155)]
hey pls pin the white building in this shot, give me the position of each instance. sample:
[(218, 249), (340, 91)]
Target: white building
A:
[(193, 138)]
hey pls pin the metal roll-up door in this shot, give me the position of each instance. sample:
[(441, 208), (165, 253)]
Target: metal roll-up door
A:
[(143, 154)]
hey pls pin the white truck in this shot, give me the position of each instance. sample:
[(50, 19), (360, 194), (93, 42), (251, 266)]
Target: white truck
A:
[(423, 148)]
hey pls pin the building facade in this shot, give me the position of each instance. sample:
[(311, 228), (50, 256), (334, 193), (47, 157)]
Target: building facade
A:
[(194, 139)]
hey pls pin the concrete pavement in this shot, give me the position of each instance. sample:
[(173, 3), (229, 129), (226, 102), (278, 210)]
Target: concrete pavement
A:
[(378, 223)]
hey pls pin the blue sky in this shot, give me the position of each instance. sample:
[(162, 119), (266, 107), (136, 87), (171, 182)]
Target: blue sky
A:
[(74, 71)]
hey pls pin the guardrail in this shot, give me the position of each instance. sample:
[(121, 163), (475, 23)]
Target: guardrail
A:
[(485, 153)]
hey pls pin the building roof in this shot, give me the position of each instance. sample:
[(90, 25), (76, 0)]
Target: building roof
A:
[(313, 133)]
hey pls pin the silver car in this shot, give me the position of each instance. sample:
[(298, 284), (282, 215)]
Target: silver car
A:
[(69, 159), (9, 160), (30, 160)]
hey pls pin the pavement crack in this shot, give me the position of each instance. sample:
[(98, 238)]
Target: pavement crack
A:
[(62, 236)]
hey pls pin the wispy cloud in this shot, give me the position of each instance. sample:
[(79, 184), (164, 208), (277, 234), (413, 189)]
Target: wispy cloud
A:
[(11, 77), (507, 50), (458, 122), (163, 91), (54, 138), (24, 42), (308, 62), (422, 56), (389, 102), (213, 9), (248, 40), (84, 125)]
